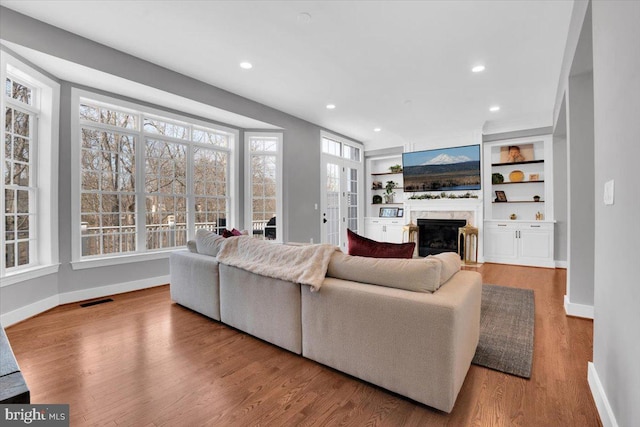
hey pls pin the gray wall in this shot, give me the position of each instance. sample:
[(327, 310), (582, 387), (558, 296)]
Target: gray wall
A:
[(581, 186), (560, 197), (616, 69), (301, 156)]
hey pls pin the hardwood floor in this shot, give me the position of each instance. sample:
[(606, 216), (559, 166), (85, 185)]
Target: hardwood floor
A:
[(143, 360)]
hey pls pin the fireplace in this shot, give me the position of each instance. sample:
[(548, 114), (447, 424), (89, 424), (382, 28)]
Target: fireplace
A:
[(438, 235)]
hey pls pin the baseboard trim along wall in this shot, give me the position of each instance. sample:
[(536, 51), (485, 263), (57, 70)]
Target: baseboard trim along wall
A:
[(30, 310), (561, 264), (577, 310), (600, 397), (43, 305), (108, 290)]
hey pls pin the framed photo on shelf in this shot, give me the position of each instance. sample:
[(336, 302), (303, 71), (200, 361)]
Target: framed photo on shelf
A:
[(516, 153), (388, 212), (501, 196), (400, 212)]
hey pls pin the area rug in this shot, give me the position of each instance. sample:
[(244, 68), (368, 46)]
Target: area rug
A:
[(506, 330)]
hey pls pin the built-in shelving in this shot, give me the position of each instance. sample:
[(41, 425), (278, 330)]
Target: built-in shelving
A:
[(518, 201), (527, 240), (386, 173), (528, 162), (521, 182)]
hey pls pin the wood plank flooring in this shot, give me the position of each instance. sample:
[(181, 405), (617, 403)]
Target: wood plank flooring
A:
[(143, 360)]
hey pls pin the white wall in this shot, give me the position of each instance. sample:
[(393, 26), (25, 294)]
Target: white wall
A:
[(616, 70)]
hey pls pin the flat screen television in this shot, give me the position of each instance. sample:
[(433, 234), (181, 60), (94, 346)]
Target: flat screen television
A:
[(443, 169)]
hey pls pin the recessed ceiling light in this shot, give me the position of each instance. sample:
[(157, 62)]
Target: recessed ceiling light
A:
[(478, 68), (330, 106), (246, 65), (377, 129), (494, 108)]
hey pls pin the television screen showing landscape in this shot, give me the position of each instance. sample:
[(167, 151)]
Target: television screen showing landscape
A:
[(445, 169)]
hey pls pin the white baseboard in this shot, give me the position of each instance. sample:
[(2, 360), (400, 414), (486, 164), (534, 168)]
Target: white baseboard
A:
[(600, 397), (30, 310), (41, 306), (577, 310), (118, 288), (562, 264)]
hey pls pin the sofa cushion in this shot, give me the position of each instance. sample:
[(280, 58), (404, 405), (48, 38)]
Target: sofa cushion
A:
[(361, 246), (208, 242), (191, 246), (418, 275), (450, 262)]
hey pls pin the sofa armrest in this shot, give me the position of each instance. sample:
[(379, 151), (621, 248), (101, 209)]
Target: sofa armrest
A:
[(417, 344), (195, 282)]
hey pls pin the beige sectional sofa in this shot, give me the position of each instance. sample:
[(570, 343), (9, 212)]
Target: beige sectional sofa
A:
[(410, 326)]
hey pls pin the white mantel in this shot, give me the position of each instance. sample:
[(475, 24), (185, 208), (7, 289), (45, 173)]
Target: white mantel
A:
[(469, 209)]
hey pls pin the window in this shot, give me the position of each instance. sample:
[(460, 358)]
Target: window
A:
[(19, 176), (264, 186), (28, 205), (147, 181)]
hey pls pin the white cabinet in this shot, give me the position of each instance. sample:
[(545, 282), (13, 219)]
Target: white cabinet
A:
[(519, 242), (384, 229)]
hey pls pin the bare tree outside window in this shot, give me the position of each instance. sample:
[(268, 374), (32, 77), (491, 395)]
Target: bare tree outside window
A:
[(19, 184)]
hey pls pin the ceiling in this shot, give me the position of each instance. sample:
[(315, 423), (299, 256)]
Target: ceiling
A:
[(402, 66)]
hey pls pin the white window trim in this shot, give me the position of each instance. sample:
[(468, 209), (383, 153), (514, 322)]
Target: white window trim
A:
[(46, 170), (248, 192), (77, 261)]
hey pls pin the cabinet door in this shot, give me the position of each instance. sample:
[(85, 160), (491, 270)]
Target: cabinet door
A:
[(374, 230), (536, 242), (500, 243), (393, 231)]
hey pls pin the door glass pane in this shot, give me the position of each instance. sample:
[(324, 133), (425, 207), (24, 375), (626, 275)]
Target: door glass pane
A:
[(333, 204), (352, 199)]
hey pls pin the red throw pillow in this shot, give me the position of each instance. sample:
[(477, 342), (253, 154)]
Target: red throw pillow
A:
[(361, 246), (226, 233), (236, 232)]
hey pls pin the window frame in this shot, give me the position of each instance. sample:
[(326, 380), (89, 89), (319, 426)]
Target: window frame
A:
[(141, 253), (43, 161), (248, 187)]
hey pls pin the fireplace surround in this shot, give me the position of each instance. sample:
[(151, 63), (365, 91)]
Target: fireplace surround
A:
[(468, 210)]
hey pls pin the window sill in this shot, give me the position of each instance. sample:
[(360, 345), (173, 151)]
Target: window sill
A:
[(120, 259), (29, 274)]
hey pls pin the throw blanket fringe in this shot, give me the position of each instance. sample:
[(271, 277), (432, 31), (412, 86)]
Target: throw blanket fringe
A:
[(298, 264)]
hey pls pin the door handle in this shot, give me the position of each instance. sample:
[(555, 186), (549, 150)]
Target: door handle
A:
[(324, 220)]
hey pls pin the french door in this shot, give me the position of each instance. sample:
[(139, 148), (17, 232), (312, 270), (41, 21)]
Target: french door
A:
[(342, 198)]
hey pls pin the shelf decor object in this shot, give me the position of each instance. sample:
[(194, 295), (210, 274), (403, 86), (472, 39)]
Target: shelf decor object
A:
[(501, 196), (516, 176), (497, 178), (388, 212), (377, 199), (534, 177)]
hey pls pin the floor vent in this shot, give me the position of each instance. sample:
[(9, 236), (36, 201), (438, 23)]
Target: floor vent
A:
[(100, 301)]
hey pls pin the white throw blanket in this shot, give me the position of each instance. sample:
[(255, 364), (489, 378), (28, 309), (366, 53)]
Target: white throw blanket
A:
[(298, 264)]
